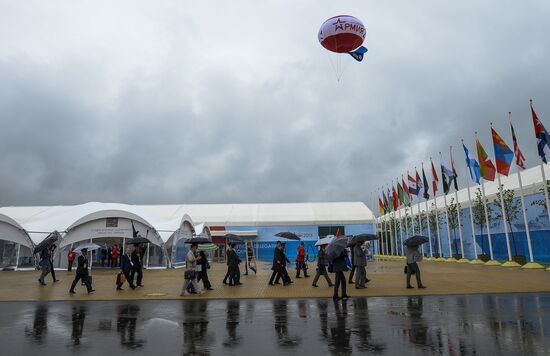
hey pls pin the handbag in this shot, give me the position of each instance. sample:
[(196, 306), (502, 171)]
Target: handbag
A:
[(120, 278), (406, 268), (330, 268), (189, 275)]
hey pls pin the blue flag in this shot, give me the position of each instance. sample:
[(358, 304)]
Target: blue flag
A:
[(473, 165), (359, 53)]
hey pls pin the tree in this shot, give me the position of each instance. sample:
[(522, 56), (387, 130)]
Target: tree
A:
[(512, 209), (542, 202), (434, 219), (453, 219), (478, 212)]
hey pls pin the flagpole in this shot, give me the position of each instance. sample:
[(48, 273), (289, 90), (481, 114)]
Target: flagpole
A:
[(429, 234), (440, 258), (492, 261), (458, 217), (531, 264), (475, 260), (504, 216), (404, 192), (450, 259)]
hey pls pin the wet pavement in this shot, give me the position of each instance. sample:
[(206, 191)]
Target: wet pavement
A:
[(513, 324)]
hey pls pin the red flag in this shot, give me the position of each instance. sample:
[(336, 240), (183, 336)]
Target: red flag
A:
[(338, 232), (406, 188), (395, 198), (520, 158), (435, 180)]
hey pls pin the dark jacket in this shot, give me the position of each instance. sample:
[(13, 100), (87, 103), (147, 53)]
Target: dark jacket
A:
[(322, 259), (233, 259), (82, 265), (277, 258), (339, 263), (125, 264), (203, 261), (360, 257), (136, 259)]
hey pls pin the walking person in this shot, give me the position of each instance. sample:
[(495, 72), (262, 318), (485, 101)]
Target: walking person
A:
[(413, 256), (339, 266), (277, 262), (71, 256), (228, 273), (103, 256), (360, 263), (301, 261), (114, 256), (137, 266), (190, 273), (203, 273), (45, 266), (233, 262), (283, 273), (52, 254), (322, 263), (82, 272), (109, 256), (352, 272), (249, 259), (125, 270)]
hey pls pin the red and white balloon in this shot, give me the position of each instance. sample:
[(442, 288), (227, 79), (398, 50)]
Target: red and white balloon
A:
[(342, 34)]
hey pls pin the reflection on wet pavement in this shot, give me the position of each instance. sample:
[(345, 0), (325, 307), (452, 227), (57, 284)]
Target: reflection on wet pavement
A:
[(447, 325)]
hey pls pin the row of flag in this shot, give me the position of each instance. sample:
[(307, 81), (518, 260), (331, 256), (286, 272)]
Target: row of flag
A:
[(482, 167)]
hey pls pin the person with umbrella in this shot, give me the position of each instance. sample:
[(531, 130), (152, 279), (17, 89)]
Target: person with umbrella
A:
[(71, 256), (337, 253), (283, 273), (203, 273), (137, 266), (190, 271), (322, 263), (233, 261), (45, 264), (82, 272), (414, 256), (360, 263)]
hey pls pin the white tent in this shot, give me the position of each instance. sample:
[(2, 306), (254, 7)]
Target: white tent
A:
[(15, 244)]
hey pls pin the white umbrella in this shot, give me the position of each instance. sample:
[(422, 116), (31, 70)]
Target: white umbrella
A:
[(90, 246), (325, 240)]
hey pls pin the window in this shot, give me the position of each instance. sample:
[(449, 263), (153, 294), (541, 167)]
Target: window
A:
[(331, 230), (111, 222)]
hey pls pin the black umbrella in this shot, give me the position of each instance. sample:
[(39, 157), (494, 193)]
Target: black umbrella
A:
[(233, 237), (139, 240), (336, 247), (415, 241), (198, 240), (47, 242), (288, 235), (362, 238)]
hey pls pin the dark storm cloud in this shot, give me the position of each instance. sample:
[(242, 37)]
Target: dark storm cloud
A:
[(172, 103)]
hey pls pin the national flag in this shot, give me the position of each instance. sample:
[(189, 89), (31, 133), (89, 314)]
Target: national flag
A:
[(403, 197), (381, 207), (520, 158), (435, 179), (338, 233), (425, 182), (543, 138), (413, 189), (455, 175), (390, 200), (447, 176), (421, 191), (386, 203), (486, 167), (503, 153), (473, 166), (395, 198), (406, 189)]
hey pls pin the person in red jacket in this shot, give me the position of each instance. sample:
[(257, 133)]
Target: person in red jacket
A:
[(114, 256), (301, 261), (70, 258)]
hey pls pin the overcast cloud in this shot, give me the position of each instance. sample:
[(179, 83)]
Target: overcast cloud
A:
[(236, 101)]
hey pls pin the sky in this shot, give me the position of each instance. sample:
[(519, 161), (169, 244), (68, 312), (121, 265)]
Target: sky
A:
[(158, 102)]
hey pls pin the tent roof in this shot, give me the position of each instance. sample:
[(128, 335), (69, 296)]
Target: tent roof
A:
[(39, 221)]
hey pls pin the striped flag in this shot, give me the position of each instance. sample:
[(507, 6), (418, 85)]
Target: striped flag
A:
[(503, 154), (486, 167), (406, 189), (520, 158), (425, 183), (543, 139), (421, 191), (413, 189)]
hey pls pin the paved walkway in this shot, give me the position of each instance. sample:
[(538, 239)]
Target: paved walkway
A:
[(387, 280)]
